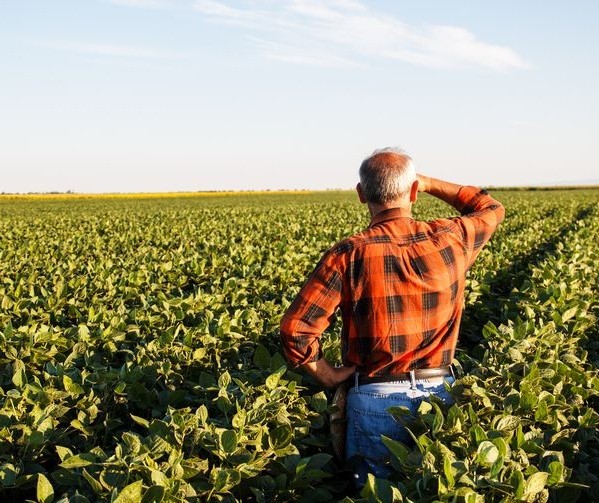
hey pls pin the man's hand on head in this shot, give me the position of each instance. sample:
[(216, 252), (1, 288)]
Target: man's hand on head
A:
[(326, 374), (423, 182)]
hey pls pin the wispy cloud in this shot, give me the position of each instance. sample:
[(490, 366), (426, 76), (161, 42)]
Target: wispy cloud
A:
[(345, 32), (119, 51)]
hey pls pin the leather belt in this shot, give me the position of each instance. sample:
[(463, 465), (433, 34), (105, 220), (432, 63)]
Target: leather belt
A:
[(408, 376)]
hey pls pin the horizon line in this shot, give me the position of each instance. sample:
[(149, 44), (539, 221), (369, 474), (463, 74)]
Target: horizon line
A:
[(225, 192)]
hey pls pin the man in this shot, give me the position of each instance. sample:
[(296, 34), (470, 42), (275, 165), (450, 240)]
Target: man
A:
[(399, 285)]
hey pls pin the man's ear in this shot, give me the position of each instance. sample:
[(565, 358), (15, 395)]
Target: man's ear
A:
[(414, 191), (360, 193)]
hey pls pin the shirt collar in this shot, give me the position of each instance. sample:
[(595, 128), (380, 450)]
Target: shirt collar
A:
[(390, 214)]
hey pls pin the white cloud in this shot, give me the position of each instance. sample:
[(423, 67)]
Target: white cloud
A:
[(120, 51), (345, 31), (341, 33)]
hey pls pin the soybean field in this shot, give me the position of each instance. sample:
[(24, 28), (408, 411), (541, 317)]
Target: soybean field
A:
[(140, 356)]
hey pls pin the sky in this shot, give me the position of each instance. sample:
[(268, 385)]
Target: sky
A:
[(189, 95)]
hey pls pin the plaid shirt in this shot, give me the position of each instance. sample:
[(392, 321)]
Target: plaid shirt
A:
[(399, 285)]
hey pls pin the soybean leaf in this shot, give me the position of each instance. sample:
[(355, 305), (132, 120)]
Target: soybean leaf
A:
[(78, 461), (228, 440), (154, 494), (45, 491), (130, 494), (487, 453), (536, 483), (261, 357)]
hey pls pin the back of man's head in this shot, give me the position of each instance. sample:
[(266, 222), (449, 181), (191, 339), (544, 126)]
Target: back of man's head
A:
[(387, 175)]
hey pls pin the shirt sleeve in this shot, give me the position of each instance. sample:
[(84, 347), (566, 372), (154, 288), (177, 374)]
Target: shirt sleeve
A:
[(311, 312), (481, 215)]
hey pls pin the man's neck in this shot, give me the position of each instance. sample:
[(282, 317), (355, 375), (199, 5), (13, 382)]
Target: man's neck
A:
[(375, 209)]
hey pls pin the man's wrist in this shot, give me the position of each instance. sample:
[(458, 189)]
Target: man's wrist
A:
[(423, 183), (326, 374)]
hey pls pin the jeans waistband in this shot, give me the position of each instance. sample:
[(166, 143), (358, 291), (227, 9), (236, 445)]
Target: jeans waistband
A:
[(411, 375), (406, 377)]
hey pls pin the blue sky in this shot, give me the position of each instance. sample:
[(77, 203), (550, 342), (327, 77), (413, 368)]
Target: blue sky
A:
[(169, 95)]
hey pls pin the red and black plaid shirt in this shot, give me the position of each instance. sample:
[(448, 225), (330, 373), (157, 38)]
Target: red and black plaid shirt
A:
[(399, 286)]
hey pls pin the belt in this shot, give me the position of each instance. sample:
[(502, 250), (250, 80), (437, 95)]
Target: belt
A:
[(412, 375)]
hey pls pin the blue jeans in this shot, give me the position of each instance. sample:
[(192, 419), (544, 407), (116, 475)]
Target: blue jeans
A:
[(368, 419)]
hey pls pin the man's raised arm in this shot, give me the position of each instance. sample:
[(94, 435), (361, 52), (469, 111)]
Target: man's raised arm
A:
[(446, 191), (481, 214)]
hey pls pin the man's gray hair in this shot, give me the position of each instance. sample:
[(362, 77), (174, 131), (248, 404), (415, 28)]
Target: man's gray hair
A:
[(387, 175)]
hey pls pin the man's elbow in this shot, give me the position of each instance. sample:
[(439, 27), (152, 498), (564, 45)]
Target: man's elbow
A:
[(285, 331), (286, 336), (495, 208), (500, 212)]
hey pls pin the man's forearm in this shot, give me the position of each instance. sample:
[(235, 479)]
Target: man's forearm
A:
[(446, 191)]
